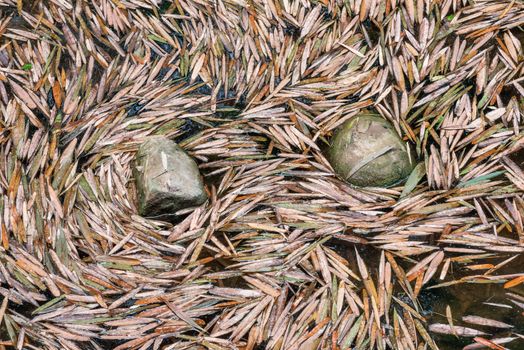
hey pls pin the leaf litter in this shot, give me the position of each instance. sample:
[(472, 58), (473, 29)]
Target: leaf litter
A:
[(270, 259)]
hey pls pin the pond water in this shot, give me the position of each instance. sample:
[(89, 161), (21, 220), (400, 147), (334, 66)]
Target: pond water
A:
[(479, 300), (466, 299)]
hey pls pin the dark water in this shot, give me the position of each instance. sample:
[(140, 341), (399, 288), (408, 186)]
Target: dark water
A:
[(472, 298), (466, 299), (518, 157)]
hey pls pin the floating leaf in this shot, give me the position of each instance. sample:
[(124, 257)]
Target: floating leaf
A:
[(414, 178)]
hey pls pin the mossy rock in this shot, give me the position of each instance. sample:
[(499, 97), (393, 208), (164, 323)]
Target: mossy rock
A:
[(367, 151), (167, 179)]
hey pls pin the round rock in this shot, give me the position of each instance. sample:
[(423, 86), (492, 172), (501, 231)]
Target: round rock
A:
[(367, 151)]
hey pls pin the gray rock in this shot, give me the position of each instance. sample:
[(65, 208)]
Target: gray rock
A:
[(167, 179), (366, 151)]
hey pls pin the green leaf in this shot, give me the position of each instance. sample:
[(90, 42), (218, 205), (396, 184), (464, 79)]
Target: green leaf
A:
[(414, 178), (157, 38), (96, 320), (48, 304), (481, 179), (27, 66), (352, 334)]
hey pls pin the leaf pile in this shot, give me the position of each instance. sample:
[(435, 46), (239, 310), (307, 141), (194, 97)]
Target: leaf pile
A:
[(253, 90)]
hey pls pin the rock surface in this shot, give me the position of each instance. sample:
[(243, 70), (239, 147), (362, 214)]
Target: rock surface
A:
[(366, 151), (167, 179)]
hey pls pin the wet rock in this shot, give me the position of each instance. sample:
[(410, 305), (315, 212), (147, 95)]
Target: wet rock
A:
[(167, 179), (367, 151)]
